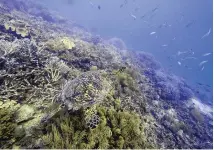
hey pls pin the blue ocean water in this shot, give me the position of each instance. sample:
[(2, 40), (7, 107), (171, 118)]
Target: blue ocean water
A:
[(178, 25)]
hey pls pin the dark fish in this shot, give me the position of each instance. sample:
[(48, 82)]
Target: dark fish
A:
[(122, 69), (121, 5), (187, 67), (136, 9), (199, 83), (207, 90), (170, 58), (160, 26), (156, 8), (125, 2), (190, 24), (99, 7), (207, 85), (142, 16)]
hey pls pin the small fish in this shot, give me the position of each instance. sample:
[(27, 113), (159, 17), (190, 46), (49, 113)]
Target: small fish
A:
[(207, 34), (207, 54), (202, 68), (207, 85), (152, 33), (182, 17), (133, 16), (99, 7), (156, 8), (91, 4), (187, 67), (199, 83), (122, 69), (203, 62), (173, 39), (125, 2), (121, 5), (142, 16), (136, 9), (188, 58), (179, 52), (179, 63), (164, 45), (160, 26), (190, 24)]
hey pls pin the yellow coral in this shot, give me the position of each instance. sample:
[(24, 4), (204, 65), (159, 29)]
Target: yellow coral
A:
[(67, 43), (60, 44), (18, 26)]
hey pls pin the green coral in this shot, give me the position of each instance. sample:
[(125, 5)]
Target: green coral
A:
[(61, 43), (124, 81), (65, 131), (116, 129), (7, 121)]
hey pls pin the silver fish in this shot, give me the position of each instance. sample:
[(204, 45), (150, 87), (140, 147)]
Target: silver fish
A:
[(133, 16), (188, 58), (202, 68), (179, 52), (179, 63), (91, 4), (203, 62), (207, 34), (164, 45), (152, 33), (207, 54)]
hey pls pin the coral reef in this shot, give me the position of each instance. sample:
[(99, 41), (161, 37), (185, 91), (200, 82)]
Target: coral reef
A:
[(62, 87)]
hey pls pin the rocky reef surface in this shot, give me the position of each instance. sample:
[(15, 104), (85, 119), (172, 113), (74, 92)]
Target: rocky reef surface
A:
[(62, 87)]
